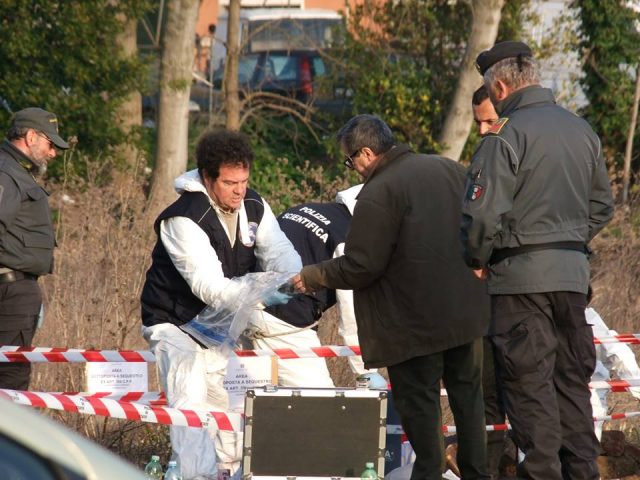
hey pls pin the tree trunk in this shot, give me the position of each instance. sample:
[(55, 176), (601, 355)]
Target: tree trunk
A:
[(130, 112), (484, 30), (173, 108), (626, 173), (232, 97)]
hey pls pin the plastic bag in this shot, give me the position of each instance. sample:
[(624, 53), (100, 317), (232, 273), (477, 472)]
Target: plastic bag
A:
[(219, 325)]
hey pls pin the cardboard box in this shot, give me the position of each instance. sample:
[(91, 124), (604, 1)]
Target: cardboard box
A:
[(302, 433)]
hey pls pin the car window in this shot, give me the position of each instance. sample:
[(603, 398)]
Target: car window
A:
[(19, 463), (247, 64), (318, 66), (280, 68)]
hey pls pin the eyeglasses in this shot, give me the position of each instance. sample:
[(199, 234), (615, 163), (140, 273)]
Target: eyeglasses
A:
[(42, 135), (348, 161)]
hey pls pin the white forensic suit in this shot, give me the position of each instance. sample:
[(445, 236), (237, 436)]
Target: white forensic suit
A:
[(192, 376)]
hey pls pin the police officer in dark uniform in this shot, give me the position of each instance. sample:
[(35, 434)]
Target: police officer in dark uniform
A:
[(316, 230), (26, 232), (537, 193)]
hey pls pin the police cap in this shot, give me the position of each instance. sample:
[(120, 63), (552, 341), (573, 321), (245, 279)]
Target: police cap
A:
[(500, 51), (42, 121)]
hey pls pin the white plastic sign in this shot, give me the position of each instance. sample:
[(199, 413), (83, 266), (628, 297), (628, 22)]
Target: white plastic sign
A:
[(117, 377)]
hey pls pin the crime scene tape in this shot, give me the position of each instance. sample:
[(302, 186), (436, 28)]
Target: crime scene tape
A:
[(613, 385), (91, 405), (77, 355), (633, 338), (126, 410)]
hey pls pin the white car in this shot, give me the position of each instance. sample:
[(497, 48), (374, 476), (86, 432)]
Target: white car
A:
[(34, 447)]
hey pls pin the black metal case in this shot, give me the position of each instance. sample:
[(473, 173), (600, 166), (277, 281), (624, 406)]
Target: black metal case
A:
[(327, 433)]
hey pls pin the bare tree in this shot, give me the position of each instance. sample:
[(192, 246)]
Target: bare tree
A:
[(626, 172), (484, 30), (232, 96), (173, 113), (130, 112)]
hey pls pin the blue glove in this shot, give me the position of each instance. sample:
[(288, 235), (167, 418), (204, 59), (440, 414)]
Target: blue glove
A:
[(277, 298), (374, 379)]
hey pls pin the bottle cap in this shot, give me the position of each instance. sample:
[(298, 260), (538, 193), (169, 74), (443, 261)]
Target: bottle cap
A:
[(369, 464), (155, 457), (172, 463)]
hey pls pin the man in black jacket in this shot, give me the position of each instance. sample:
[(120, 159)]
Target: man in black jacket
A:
[(537, 193), (26, 231), (419, 311)]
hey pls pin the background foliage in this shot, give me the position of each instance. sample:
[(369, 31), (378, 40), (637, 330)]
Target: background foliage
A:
[(402, 59), (64, 57), (610, 46)]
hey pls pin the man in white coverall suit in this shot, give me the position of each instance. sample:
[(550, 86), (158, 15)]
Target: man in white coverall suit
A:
[(217, 230)]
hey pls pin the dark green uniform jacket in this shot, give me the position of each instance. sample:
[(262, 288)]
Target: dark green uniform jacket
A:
[(413, 294), (537, 177), (26, 230)]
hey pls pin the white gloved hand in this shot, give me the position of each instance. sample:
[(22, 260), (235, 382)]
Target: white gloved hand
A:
[(374, 380)]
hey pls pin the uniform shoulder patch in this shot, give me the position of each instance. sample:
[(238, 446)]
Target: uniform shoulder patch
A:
[(496, 127)]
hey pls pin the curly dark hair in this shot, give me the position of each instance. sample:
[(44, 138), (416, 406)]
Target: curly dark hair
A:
[(222, 147)]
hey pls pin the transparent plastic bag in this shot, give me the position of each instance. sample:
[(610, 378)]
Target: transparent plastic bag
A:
[(219, 325)]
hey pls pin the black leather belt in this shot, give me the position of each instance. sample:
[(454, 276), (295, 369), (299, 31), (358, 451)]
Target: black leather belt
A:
[(14, 276), (498, 255)]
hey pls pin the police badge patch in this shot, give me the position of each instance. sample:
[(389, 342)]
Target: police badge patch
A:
[(475, 191), (253, 228), (496, 127)]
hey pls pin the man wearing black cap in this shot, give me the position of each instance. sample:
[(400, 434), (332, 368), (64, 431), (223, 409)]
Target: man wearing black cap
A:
[(26, 231), (537, 193)]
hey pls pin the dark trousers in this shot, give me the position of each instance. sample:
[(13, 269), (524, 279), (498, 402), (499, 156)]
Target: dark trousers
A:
[(494, 410), (545, 356), (20, 303), (415, 385)]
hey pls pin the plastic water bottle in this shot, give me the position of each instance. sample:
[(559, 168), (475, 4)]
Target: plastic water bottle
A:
[(172, 473), (369, 472), (153, 470)]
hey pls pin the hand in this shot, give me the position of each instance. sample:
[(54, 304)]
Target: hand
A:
[(481, 273), (374, 379), (277, 298), (298, 284)]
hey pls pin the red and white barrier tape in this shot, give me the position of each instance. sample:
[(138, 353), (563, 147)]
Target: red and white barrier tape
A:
[(397, 429), (77, 355), (633, 338), (74, 355), (93, 405), (51, 355), (616, 385), (127, 410)]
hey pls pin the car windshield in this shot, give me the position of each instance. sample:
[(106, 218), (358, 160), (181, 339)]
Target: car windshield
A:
[(246, 66)]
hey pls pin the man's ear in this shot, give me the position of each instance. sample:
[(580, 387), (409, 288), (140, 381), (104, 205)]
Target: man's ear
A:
[(368, 152), (501, 90), (31, 137)]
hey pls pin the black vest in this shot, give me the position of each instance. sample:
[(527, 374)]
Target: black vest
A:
[(166, 296), (315, 230), (28, 241)]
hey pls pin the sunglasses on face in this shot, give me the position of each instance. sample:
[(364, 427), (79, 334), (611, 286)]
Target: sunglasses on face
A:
[(348, 161)]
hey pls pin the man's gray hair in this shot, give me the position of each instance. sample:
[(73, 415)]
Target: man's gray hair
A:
[(366, 131), (515, 73)]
